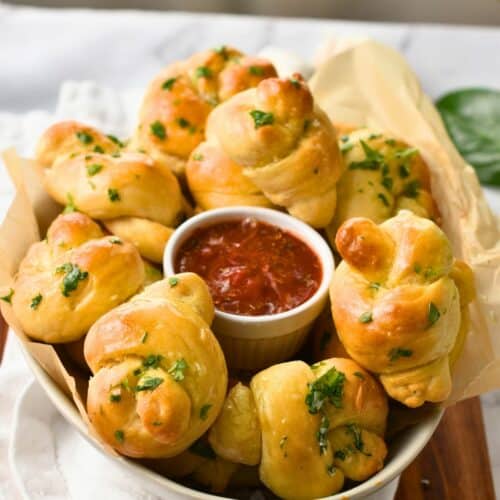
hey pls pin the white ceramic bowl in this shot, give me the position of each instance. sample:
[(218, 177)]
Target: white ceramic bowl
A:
[(255, 342), (402, 451)]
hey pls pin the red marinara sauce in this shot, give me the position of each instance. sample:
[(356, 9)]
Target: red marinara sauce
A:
[(251, 267)]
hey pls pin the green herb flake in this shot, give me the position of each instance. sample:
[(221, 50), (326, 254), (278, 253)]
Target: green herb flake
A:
[(120, 436), (359, 375), (355, 432), (340, 455), (137, 371), (156, 423), (98, 149), (113, 195), (331, 469), (417, 268), (433, 315), (346, 147), (152, 361), (115, 397), (373, 159), (144, 338), (115, 240), (261, 118), (158, 129), (149, 384), (390, 142), (295, 83), (115, 139), (70, 206), (198, 157), (411, 189), (406, 154), (387, 183), (404, 171), (173, 281), (383, 199), (202, 449), (374, 285), (203, 72), (322, 434), (73, 276), (177, 369), (326, 336), (327, 388), (366, 317), (222, 51), (372, 137), (168, 84), (344, 138), (8, 298), (204, 411), (399, 352), (93, 169), (283, 442), (183, 123), (84, 137), (35, 301), (256, 70)]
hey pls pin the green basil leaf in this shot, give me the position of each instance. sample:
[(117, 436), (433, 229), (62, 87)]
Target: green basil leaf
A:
[(472, 118)]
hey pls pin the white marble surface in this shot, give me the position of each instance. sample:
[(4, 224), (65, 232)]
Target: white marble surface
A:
[(39, 49)]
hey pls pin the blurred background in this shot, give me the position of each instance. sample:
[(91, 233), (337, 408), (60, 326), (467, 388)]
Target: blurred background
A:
[(481, 12)]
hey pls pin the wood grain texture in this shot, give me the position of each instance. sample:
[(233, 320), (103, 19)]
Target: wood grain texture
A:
[(455, 464)]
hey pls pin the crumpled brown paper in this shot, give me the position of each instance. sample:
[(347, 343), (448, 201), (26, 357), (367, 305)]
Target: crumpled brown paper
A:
[(367, 85), (371, 84)]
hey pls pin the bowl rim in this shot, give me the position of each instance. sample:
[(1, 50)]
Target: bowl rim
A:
[(296, 227), (382, 478)]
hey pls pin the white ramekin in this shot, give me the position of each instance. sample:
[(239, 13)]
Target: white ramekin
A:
[(255, 342)]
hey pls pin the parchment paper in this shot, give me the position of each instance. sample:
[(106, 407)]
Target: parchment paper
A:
[(366, 85)]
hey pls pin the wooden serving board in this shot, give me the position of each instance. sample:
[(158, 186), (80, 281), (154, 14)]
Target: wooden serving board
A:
[(454, 465)]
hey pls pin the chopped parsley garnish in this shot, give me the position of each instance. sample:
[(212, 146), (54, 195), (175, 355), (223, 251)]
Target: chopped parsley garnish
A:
[(433, 314), (339, 454), (137, 371), (261, 118), (115, 397), (404, 171), (387, 183), (73, 276), (372, 137), (120, 436), (417, 268), (411, 189), (158, 129), (203, 72), (149, 384), (399, 352), (374, 285), (355, 431), (84, 137), (98, 149), (256, 70), (295, 83), (202, 449), (373, 159), (115, 139), (283, 442), (125, 384), (366, 317), (8, 298), (183, 123), (359, 375), (204, 411), (144, 338), (168, 84), (344, 138), (35, 301), (93, 169), (115, 240), (325, 338), (383, 199), (197, 157), (156, 423), (177, 369), (327, 388), (70, 206), (331, 469), (113, 195), (173, 281), (390, 142), (322, 434), (222, 51), (152, 361), (406, 154)]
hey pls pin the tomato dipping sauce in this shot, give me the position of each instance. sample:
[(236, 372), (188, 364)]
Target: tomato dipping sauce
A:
[(252, 268)]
